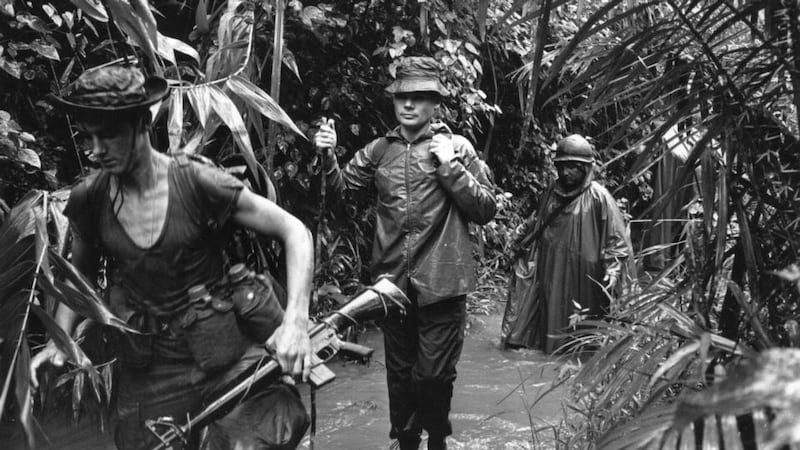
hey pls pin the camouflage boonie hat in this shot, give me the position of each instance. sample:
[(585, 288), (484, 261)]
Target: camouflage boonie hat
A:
[(418, 74), (112, 89)]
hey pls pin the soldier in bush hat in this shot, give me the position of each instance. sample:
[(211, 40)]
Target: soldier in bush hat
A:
[(430, 185), (159, 222), (577, 240)]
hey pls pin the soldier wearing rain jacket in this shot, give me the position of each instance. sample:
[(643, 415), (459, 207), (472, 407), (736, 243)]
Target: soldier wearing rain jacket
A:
[(577, 248), (430, 185)]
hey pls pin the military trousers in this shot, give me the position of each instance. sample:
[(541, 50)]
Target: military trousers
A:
[(422, 351)]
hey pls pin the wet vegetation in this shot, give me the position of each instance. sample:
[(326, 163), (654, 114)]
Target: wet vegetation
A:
[(702, 351)]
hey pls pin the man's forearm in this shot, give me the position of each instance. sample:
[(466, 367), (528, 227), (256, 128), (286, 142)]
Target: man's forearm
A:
[(299, 274)]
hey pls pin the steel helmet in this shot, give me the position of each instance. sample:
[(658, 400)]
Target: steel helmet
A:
[(574, 148)]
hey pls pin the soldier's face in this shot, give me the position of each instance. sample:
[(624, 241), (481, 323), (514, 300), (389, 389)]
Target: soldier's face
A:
[(570, 173), (112, 144), (415, 110)]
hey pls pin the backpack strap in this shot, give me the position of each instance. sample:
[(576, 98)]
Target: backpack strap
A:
[(541, 226), (379, 150)]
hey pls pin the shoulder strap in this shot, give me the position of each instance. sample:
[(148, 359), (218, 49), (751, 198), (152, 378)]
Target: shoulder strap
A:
[(379, 151), (541, 226)]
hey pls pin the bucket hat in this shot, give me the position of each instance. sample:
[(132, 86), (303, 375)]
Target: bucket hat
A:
[(115, 88), (574, 148), (418, 74)]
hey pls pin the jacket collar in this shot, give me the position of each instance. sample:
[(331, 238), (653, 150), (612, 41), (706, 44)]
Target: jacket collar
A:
[(432, 129)]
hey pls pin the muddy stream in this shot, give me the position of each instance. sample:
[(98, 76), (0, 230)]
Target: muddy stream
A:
[(493, 393)]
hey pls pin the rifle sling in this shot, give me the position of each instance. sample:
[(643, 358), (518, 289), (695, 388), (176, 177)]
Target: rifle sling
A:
[(541, 226)]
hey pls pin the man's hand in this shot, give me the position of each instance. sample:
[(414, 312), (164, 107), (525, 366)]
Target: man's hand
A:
[(292, 347), (442, 148), (611, 277), (326, 140), (50, 354)]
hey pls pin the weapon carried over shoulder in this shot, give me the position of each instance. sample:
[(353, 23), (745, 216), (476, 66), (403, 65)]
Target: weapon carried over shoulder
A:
[(379, 301)]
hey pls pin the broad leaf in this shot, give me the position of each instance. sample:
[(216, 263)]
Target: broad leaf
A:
[(262, 102), (137, 23), (767, 381), (227, 111), (166, 42), (7, 7), (34, 22), (200, 99), (93, 9), (175, 121), (58, 224), (10, 67), (483, 8), (62, 339), (20, 221), (29, 157), (46, 50), (80, 296), (290, 62), (191, 146), (201, 17), (16, 277), (23, 393)]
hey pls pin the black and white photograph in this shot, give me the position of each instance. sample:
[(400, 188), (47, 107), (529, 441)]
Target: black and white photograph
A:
[(399, 224)]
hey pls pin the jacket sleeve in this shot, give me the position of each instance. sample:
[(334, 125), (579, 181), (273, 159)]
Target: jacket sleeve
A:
[(466, 179), (357, 176), (616, 250)]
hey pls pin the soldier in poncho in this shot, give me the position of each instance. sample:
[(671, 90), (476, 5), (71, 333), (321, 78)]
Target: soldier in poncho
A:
[(576, 249)]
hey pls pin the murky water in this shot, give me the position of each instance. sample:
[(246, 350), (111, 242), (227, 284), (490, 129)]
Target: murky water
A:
[(493, 393)]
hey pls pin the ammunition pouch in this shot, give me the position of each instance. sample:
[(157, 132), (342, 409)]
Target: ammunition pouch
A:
[(242, 308), (211, 329), (257, 306)]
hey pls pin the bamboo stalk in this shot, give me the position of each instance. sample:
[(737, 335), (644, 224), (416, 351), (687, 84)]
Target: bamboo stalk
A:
[(539, 30)]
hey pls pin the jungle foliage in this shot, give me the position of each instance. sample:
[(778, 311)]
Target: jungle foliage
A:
[(686, 359), (334, 60), (674, 354)]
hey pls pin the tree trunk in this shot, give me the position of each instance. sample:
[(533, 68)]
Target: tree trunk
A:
[(539, 30)]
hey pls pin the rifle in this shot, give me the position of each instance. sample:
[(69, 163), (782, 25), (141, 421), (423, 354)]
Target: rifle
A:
[(376, 302)]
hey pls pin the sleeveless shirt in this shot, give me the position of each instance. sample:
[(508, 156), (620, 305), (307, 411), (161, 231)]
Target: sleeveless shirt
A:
[(189, 250)]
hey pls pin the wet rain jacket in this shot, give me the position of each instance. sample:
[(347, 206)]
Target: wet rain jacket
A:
[(587, 239), (423, 211)]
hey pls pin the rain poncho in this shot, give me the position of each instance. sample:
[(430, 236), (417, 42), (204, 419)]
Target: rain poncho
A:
[(566, 265), (669, 211), (423, 211)]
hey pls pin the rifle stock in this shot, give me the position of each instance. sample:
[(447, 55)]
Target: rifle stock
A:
[(377, 302)]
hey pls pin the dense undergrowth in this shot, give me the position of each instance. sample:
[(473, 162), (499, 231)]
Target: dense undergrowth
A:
[(716, 79)]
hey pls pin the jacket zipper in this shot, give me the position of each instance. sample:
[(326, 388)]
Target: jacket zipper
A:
[(408, 215)]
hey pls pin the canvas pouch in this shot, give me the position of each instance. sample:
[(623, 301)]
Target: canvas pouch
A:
[(212, 332), (256, 301)]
